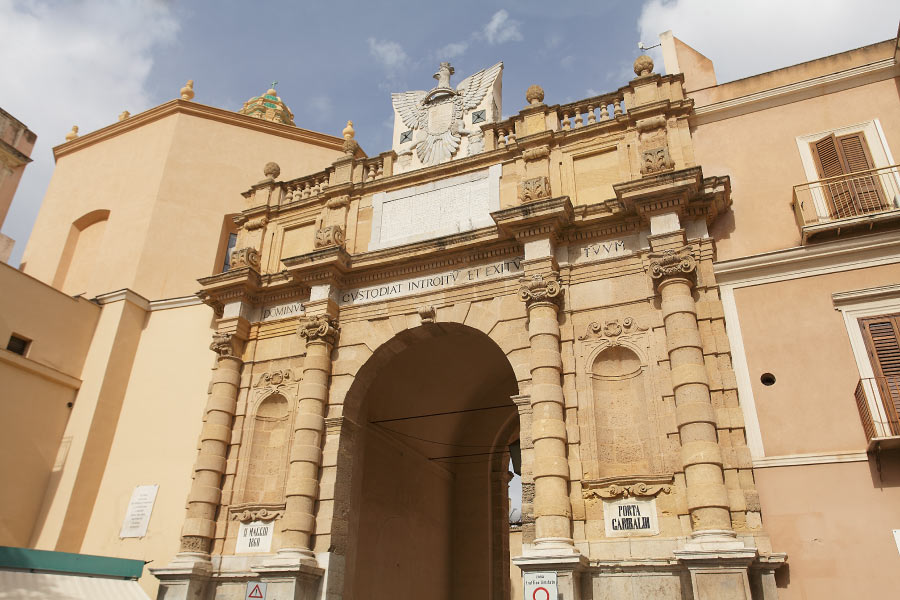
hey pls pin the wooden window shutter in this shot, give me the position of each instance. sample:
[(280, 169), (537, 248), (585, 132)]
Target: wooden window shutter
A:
[(840, 157), (854, 153), (828, 161), (882, 337)]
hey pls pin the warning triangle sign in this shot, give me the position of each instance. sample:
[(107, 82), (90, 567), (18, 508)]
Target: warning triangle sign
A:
[(255, 592)]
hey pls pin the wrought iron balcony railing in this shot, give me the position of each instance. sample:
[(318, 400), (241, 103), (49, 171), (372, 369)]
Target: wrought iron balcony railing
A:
[(877, 399), (861, 200)]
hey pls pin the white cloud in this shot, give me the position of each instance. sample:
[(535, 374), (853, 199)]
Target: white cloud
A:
[(452, 50), (501, 29), (74, 63), (389, 54), (746, 38), (568, 62)]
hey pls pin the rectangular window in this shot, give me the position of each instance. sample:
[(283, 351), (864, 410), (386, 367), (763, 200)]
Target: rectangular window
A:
[(882, 337), (232, 241), (845, 162), (18, 344)]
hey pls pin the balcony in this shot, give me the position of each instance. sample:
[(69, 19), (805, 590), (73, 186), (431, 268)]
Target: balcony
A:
[(859, 202), (877, 399)]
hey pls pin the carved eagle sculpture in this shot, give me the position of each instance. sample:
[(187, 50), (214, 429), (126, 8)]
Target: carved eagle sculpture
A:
[(436, 117)]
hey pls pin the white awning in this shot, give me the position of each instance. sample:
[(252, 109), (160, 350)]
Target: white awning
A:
[(26, 585)]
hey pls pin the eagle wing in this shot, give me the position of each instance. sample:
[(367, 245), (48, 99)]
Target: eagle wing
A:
[(475, 87), (409, 106)]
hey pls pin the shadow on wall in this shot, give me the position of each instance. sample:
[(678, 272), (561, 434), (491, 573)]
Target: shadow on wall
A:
[(884, 467)]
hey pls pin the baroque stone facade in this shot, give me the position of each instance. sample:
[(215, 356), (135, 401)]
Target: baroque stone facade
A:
[(610, 368)]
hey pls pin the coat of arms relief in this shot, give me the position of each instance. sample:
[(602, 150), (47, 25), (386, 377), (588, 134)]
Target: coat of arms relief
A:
[(439, 125)]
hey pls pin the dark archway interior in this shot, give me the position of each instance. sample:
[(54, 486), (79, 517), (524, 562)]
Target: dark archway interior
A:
[(432, 502)]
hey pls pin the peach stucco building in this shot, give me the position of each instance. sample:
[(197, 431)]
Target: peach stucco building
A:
[(674, 307)]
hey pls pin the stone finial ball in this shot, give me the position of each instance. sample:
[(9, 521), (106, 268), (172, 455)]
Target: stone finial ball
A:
[(534, 94), (272, 170), (643, 65)]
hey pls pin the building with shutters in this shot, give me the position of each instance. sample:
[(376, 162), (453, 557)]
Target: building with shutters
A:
[(674, 305)]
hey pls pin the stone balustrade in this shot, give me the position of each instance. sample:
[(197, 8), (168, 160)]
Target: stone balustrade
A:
[(591, 110)]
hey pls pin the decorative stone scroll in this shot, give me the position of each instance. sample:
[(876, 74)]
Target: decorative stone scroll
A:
[(276, 378), (648, 486), (246, 514), (245, 257), (320, 327), (541, 287), (426, 314), (333, 235), (257, 223), (669, 263), (536, 188), (612, 329), (223, 344), (656, 160)]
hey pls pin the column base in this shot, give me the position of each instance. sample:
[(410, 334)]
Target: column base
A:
[(567, 563), (185, 578), (289, 558), (714, 539), (718, 566)]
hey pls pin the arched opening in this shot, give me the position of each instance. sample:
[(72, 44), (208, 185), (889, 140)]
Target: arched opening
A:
[(429, 490), (82, 246)]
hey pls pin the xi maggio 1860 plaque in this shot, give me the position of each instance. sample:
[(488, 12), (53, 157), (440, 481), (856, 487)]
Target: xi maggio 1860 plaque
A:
[(255, 536)]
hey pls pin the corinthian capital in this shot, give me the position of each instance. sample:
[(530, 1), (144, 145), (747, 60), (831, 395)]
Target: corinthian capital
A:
[(223, 344), (670, 263), (541, 287), (321, 327)]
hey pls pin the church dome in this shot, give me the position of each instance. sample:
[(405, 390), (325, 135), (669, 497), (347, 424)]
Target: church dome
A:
[(269, 107)]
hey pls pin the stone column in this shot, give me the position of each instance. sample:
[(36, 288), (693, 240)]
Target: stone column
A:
[(542, 295), (199, 528), (302, 489), (674, 273)]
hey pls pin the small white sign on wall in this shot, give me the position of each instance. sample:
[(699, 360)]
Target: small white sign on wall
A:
[(897, 538), (540, 585), (255, 536), (137, 516), (630, 517)]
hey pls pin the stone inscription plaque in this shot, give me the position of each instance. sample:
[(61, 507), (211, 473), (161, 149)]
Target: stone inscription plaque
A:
[(255, 536), (429, 283), (280, 311), (435, 209), (137, 516), (627, 517)]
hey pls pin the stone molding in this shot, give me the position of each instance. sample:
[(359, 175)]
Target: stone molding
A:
[(612, 330), (541, 287), (224, 344), (426, 314), (245, 257), (537, 153), (273, 379), (320, 328), (536, 188), (647, 486), (672, 263), (333, 235), (257, 223), (256, 512)]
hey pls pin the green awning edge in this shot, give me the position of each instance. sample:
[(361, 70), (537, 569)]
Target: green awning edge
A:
[(67, 562)]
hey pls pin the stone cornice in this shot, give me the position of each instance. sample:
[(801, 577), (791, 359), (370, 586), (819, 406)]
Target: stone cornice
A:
[(541, 218), (16, 158), (202, 111), (231, 286), (801, 90)]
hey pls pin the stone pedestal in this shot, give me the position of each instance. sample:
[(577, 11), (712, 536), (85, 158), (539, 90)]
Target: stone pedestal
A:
[(718, 574), (569, 569)]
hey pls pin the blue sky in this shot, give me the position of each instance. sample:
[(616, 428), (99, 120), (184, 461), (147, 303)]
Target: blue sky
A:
[(84, 61)]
